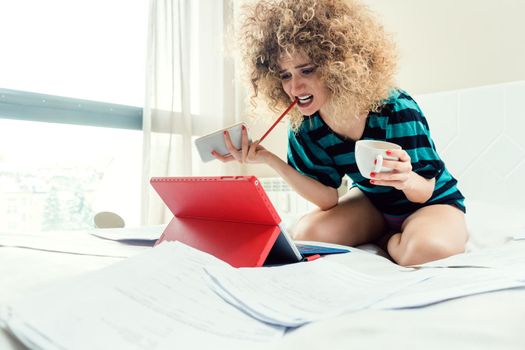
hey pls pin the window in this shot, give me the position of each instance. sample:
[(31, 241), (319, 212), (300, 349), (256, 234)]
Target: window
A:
[(93, 50), (70, 111)]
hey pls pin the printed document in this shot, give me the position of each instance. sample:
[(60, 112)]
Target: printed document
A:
[(157, 300), (295, 294), (68, 242), (509, 256), (454, 283)]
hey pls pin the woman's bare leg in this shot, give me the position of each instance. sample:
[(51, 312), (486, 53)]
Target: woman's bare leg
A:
[(353, 221), (431, 233)]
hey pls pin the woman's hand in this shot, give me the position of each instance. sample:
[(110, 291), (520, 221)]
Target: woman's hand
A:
[(401, 175), (416, 188), (248, 153)]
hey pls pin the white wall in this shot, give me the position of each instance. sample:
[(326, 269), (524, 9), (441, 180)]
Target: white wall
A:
[(443, 45), (478, 133), (455, 44)]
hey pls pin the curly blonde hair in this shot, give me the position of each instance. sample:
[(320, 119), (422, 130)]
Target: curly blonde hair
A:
[(354, 56)]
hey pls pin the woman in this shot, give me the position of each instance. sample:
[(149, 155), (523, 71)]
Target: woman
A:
[(338, 63)]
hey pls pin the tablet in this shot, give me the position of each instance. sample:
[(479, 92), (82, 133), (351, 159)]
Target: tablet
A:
[(230, 217)]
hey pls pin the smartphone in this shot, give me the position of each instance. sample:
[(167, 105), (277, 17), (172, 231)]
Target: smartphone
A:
[(215, 141)]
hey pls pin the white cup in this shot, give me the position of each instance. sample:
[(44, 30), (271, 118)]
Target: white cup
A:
[(368, 151)]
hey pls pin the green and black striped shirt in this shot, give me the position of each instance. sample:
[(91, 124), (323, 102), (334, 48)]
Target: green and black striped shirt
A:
[(318, 152)]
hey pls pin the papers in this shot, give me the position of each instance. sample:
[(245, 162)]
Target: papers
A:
[(295, 294), (451, 284), (145, 235), (68, 242), (520, 234), (24, 270), (507, 256), (174, 296), (158, 300)]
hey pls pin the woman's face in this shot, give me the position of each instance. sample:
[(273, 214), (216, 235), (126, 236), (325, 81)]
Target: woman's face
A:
[(300, 80)]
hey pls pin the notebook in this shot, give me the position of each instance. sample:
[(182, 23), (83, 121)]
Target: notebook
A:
[(230, 217)]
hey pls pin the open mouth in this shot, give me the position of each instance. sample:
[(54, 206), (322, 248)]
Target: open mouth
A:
[(304, 100)]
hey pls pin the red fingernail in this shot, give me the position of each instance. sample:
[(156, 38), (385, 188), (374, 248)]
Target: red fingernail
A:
[(372, 182), (225, 132), (375, 161), (243, 127), (213, 152), (389, 152), (372, 174)]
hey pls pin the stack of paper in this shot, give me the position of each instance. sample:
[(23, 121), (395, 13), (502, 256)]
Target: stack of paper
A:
[(451, 284), (176, 296), (508, 256), (68, 242), (293, 295), (296, 294), (158, 300)]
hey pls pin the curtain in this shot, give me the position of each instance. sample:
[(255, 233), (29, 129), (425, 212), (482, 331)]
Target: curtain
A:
[(190, 91)]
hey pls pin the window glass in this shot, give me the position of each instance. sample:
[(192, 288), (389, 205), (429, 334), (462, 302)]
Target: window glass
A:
[(92, 50), (57, 176)]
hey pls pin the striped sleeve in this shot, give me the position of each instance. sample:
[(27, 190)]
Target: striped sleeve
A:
[(408, 127), (307, 157)]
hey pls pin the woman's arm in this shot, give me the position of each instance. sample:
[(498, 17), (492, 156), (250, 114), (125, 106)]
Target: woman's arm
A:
[(325, 197), (418, 189)]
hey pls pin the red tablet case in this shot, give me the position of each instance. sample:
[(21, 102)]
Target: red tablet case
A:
[(229, 217)]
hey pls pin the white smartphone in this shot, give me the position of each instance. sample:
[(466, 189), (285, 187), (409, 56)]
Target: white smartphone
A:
[(215, 141)]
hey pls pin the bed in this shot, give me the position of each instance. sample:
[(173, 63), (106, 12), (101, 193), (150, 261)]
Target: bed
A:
[(489, 162), (493, 320)]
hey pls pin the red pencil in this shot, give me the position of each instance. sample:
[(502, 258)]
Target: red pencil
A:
[(278, 120)]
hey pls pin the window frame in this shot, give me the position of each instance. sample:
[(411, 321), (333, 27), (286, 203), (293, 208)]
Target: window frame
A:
[(31, 106)]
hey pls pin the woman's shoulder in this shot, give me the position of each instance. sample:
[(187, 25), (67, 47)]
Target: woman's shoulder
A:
[(400, 106), (399, 99)]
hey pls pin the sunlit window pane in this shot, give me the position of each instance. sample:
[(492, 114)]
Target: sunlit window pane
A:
[(92, 50), (56, 176)]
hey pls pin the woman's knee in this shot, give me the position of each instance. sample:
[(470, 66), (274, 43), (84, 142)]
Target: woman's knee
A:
[(431, 233), (354, 220), (308, 228), (422, 248)]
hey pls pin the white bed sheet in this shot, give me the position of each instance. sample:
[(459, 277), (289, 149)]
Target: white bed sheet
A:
[(486, 321)]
